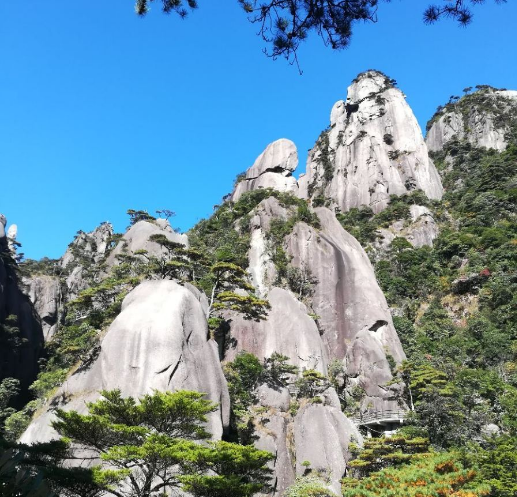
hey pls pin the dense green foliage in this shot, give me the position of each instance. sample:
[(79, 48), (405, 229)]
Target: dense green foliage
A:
[(311, 485), (362, 223), (380, 453), (428, 475), (244, 375), (154, 446)]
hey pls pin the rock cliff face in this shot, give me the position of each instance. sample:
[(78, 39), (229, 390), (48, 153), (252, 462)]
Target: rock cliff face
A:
[(46, 296), (83, 254), (288, 330), (354, 318), (484, 119), (373, 149), (272, 169), (21, 336), (327, 309), (158, 341)]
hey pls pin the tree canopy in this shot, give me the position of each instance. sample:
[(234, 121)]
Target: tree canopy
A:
[(144, 448), (285, 24)]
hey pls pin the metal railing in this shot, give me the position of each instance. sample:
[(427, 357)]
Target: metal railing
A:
[(388, 415)]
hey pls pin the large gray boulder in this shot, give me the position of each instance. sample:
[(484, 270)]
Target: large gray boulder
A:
[(483, 119), (373, 149), (158, 342), (287, 330), (322, 435), (137, 238), (273, 168), (353, 314)]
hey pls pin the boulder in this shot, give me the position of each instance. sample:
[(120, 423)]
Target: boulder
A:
[(273, 168), (322, 437), (274, 433), (287, 330), (137, 238), (158, 342)]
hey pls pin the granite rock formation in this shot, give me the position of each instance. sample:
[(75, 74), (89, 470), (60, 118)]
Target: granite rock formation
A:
[(373, 149), (164, 331), (272, 169), (483, 118)]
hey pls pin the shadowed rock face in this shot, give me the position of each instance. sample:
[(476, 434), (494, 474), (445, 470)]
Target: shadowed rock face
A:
[(373, 149), (158, 342), (272, 169), (45, 294), (20, 362), (482, 118)]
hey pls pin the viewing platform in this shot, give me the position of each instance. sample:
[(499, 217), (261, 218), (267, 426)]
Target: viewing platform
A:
[(384, 421)]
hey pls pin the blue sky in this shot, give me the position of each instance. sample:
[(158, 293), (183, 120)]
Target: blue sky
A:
[(101, 111)]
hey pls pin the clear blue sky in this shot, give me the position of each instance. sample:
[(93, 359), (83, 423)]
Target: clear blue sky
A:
[(101, 111)]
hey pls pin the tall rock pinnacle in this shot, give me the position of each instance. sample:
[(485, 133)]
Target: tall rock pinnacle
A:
[(373, 149)]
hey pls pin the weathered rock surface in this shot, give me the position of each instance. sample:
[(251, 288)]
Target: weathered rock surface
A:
[(158, 342), (420, 231), (322, 436), (319, 433), (288, 330), (261, 268), (275, 434), (83, 254), (45, 294), (354, 317), (137, 238), (273, 168), (374, 149), (17, 360), (483, 118), (91, 246)]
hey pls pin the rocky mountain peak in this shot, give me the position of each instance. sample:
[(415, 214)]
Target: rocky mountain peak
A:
[(484, 118), (93, 245), (273, 168), (373, 148)]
